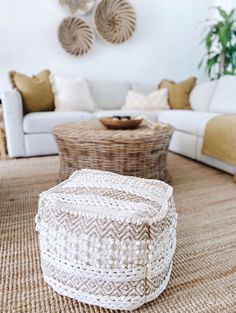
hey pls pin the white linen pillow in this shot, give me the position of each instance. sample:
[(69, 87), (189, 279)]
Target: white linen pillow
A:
[(71, 94), (157, 100)]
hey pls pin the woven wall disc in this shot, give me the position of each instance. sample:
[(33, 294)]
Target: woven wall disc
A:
[(80, 7), (76, 36), (114, 20)]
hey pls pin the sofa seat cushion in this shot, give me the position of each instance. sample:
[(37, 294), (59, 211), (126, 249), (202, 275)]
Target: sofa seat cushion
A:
[(185, 121), (203, 125), (43, 122), (151, 115)]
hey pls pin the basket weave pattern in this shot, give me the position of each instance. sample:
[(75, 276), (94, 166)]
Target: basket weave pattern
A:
[(115, 20), (141, 152), (76, 36), (107, 239), (78, 6)]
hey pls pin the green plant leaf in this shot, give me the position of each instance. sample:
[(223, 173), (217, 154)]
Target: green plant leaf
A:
[(220, 44), (200, 63), (223, 35), (223, 13), (211, 63), (226, 72), (231, 13), (208, 40)]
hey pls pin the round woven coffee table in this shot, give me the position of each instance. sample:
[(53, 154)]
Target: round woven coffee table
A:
[(141, 152)]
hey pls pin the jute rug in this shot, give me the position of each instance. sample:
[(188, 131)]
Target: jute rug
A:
[(204, 272)]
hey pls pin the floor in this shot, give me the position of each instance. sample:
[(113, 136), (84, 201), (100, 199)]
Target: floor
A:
[(204, 271)]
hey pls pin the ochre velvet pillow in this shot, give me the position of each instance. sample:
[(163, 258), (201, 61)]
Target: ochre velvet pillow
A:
[(36, 91), (179, 93)]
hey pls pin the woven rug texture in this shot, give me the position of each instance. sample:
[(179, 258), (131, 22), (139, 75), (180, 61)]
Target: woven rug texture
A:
[(204, 271)]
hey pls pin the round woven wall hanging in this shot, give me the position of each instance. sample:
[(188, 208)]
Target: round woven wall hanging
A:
[(114, 20), (76, 36)]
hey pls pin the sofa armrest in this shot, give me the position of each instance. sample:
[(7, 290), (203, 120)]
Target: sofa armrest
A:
[(13, 121)]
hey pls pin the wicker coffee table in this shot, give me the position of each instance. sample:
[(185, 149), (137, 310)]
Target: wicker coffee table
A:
[(141, 152)]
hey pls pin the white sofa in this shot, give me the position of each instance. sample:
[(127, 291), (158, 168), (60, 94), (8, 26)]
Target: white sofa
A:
[(30, 135)]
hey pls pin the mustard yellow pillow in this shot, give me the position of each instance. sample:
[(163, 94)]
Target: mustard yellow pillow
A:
[(36, 91), (179, 93)]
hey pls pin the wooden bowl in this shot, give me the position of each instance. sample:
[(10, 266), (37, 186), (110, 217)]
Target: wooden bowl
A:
[(111, 123)]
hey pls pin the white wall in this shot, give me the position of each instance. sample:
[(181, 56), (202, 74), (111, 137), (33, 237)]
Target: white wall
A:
[(226, 4), (165, 45)]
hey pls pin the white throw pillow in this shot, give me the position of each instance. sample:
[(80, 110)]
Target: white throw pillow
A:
[(157, 100), (202, 94), (71, 94), (224, 100)]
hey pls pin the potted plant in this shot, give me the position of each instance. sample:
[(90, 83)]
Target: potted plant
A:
[(220, 43)]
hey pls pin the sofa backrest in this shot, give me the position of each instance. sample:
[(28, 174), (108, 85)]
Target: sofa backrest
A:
[(144, 88), (202, 95), (109, 95), (224, 99)]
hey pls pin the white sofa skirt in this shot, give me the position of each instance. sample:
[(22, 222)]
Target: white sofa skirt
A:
[(183, 143), (40, 144)]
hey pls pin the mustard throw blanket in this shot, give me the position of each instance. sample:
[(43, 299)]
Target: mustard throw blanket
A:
[(220, 138)]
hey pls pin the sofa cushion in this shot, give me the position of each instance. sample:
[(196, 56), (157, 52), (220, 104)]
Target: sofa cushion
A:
[(43, 122), (108, 95), (202, 94), (151, 115), (36, 91), (224, 100), (179, 93), (143, 88), (71, 94), (156, 100), (185, 121)]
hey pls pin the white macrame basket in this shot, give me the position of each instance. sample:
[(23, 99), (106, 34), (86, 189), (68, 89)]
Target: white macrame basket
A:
[(107, 239)]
